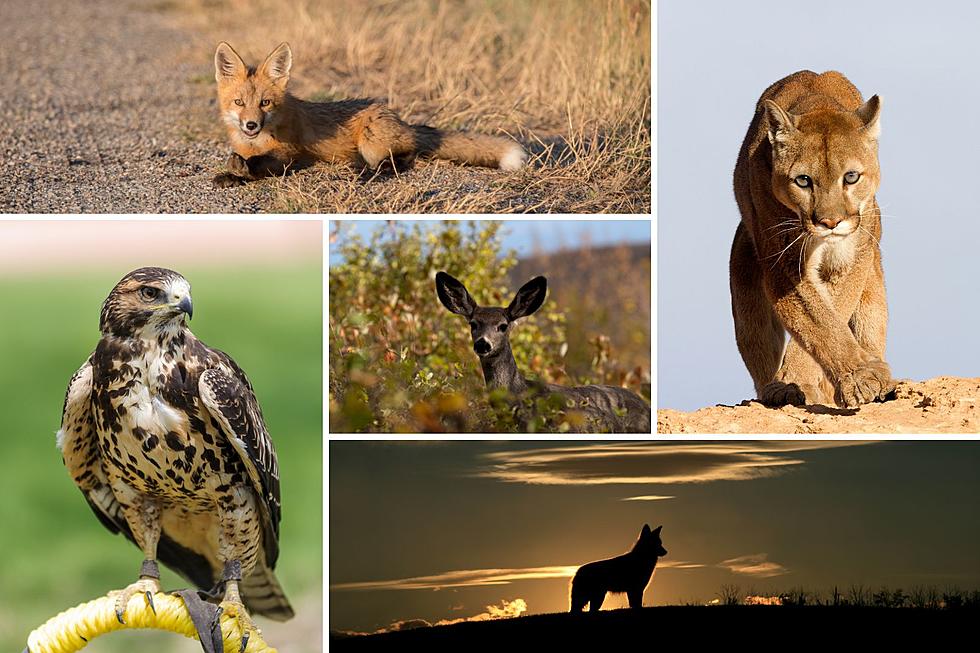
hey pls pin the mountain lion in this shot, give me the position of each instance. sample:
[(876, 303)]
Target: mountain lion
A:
[(805, 257)]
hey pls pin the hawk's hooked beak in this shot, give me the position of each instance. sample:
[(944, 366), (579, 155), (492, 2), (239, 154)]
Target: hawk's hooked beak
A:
[(186, 306)]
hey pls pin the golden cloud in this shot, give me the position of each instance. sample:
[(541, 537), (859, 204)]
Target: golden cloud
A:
[(506, 610), (757, 565), (650, 463), (483, 577)]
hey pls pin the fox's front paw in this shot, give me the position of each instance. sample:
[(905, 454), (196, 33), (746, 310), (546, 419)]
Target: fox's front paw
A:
[(778, 394), (870, 382), (238, 166), (226, 180)]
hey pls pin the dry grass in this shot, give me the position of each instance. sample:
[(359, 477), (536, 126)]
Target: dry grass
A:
[(569, 78)]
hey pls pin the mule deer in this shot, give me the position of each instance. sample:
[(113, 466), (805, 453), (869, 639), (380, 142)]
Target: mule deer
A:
[(614, 409)]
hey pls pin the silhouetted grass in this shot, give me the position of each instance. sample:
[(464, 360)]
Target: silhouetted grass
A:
[(736, 625)]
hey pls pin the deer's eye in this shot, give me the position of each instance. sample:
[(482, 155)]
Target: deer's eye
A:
[(149, 293), (239, 102), (502, 327), (851, 177)]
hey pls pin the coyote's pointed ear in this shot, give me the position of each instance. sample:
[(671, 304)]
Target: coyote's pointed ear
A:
[(657, 530), (528, 299), (227, 64), (276, 66), (645, 531), (782, 124), (870, 115), (454, 295)]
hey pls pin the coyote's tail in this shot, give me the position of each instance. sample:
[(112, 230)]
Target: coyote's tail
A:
[(469, 148)]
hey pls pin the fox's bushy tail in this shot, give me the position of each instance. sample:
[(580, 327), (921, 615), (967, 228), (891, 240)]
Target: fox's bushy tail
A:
[(470, 148)]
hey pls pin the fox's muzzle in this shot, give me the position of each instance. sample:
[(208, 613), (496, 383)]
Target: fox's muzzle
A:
[(251, 128)]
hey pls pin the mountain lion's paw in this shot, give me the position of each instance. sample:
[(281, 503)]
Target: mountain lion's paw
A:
[(870, 382), (778, 394)]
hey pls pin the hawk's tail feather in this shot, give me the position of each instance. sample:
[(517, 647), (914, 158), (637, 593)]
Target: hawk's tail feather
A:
[(263, 595)]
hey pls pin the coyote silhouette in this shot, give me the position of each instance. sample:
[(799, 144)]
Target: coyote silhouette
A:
[(629, 573)]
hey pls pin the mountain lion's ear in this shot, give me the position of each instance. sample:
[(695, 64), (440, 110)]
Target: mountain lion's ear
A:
[(782, 124), (870, 114)]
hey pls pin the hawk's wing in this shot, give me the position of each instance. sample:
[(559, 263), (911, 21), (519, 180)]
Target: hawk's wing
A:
[(228, 396), (80, 451)]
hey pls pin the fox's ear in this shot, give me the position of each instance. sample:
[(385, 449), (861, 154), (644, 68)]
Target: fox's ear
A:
[(227, 63), (646, 529), (657, 530), (276, 66)]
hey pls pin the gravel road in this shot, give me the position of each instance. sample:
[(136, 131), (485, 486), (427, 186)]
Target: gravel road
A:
[(105, 111)]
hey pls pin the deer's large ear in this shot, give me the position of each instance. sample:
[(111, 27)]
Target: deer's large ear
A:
[(454, 295), (528, 299), (277, 65), (227, 64)]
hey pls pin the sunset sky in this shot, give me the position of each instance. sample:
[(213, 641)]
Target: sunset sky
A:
[(441, 531)]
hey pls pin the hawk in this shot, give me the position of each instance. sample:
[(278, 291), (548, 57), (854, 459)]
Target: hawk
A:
[(165, 438)]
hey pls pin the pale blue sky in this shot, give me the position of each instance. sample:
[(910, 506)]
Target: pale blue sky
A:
[(715, 59), (548, 235)]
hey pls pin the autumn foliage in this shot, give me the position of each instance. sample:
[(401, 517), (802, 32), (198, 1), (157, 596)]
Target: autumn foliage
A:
[(399, 362)]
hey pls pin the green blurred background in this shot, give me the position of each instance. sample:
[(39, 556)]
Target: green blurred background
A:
[(259, 300)]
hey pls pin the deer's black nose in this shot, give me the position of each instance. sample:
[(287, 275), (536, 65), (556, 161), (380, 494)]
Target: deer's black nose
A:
[(481, 346)]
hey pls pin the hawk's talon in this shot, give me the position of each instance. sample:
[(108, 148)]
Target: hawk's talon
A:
[(235, 608), (216, 622), (145, 586)]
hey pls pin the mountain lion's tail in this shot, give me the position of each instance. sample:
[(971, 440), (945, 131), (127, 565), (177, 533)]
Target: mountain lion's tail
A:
[(469, 148)]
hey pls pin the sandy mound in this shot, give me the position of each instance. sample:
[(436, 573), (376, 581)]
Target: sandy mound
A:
[(945, 404)]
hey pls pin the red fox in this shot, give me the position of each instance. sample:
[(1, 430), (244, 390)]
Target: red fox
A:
[(629, 573), (272, 131)]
